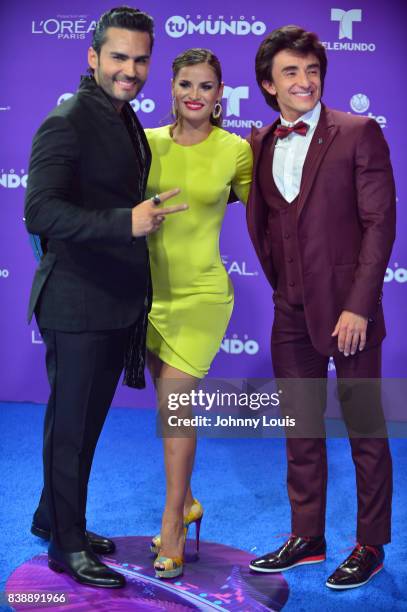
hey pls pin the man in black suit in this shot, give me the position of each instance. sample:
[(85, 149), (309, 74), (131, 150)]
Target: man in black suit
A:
[(87, 178)]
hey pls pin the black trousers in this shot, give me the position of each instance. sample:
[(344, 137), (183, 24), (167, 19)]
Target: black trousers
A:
[(83, 372)]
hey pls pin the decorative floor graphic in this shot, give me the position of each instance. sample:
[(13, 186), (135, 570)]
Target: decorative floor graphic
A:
[(220, 580)]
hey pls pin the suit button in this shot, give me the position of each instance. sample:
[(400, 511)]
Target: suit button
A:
[(291, 284), (290, 260), (286, 235)]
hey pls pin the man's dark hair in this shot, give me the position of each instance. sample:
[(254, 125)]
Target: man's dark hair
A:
[(122, 17), (292, 38)]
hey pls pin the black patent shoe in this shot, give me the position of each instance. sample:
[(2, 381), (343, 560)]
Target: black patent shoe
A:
[(99, 544), (296, 551), (363, 563), (84, 567)]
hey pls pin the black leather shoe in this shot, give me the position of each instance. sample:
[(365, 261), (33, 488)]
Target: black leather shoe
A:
[(99, 544), (84, 567), (362, 564), (296, 551)]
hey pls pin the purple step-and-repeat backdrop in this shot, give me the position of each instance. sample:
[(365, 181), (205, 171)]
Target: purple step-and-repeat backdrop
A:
[(44, 48)]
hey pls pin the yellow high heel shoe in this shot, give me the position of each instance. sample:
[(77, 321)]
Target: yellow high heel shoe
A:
[(169, 567), (194, 515)]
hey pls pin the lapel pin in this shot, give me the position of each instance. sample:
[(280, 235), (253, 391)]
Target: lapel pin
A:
[(320, 141)]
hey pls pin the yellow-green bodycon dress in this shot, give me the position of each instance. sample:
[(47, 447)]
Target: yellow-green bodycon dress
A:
[(192, 292)]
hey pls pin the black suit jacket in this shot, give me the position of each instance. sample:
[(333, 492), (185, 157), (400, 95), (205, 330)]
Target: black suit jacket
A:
[(88, 169)]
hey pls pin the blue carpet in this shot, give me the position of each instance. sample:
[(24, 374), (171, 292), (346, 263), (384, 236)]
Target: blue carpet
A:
[(241, 484)]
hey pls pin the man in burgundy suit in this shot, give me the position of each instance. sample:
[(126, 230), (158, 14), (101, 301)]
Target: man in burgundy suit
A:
[(321, 216)]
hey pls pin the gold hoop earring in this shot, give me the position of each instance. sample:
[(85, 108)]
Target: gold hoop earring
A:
[(217, 110)]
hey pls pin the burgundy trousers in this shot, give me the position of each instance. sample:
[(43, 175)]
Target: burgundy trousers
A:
[(294, 357)]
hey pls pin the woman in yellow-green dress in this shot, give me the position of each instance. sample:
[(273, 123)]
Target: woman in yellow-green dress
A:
[(192, 292)]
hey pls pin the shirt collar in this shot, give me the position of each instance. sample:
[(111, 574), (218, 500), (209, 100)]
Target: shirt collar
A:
[(311, 117)]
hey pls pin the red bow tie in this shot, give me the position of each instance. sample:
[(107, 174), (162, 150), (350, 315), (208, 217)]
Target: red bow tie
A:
[(282, 131)]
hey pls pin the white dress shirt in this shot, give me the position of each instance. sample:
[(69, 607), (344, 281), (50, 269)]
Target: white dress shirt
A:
[(290, 153)]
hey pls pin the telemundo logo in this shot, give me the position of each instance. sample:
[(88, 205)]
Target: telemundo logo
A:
[(235, 346), (398, 275), (346, 20), (233, 97), (4, 273), (11, 180), (145, 105), (177, 26)]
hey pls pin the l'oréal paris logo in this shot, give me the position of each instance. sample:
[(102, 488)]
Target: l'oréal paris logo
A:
[(64, 27)]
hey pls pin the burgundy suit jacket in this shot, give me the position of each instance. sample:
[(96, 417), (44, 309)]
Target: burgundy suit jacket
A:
[(346, 222)]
